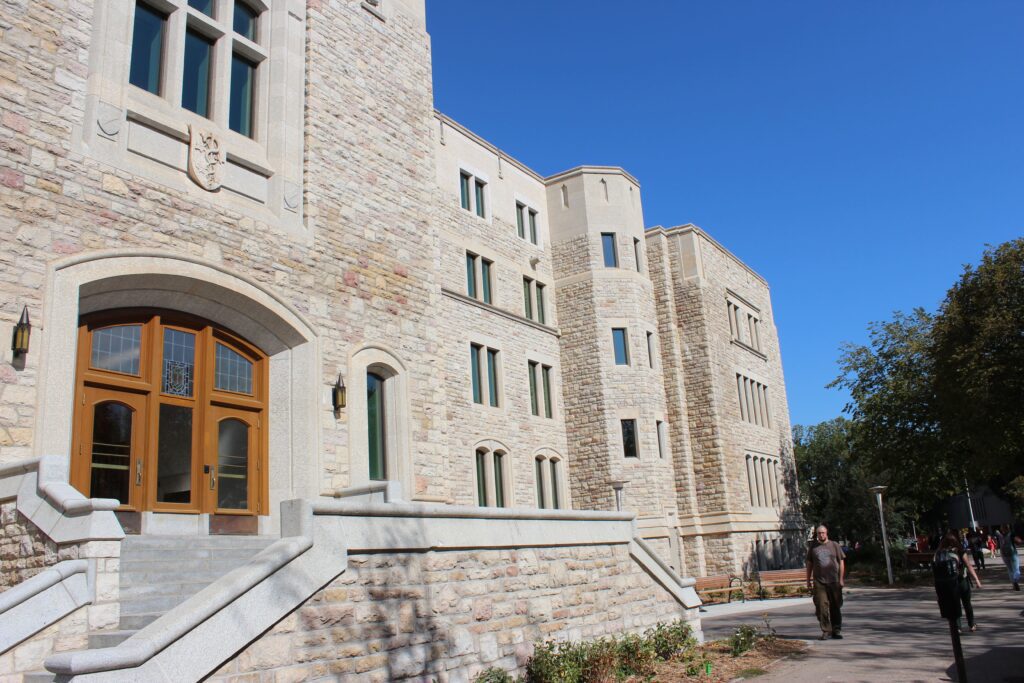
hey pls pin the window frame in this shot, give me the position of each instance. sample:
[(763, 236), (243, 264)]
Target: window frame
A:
[(625, 358), (634, 427), (610, 249)]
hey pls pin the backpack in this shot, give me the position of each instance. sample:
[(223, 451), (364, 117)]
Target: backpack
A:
[(945, 566), (946, 570)]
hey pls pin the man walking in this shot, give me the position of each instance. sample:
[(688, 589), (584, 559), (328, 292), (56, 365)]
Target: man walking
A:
[(1008, 550), (826, 567)]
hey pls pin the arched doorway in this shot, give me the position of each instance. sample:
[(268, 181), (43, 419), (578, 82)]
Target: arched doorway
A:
[(169, 414)]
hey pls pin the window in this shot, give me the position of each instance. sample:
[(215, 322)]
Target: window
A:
[(485, 371), (611, 254), (650, 349), (763, 481), (377, 441), (620, 340), (533, 291), (465, 180), (520, 225), (479, 280), (547, 472), (753, 401), (662, 438), (481, 209), (472, 193), (630, 447), (491, 478), (526, 222), (198, 39), (540, 378), (636, 255), (744, 323), (533, 226)]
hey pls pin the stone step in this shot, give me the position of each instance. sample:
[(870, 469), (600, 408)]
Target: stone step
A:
[(151, 590), (158, 604), (135, 622), (101, 639), (37, 677), (142, 579), (167, 568), (173, 557), (217, 542)]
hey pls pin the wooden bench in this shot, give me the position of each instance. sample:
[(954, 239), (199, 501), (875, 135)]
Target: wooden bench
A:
[(773, 578), (720, 583), (919, 559)]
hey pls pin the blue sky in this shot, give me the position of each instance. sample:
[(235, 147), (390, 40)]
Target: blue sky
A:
[(855, 154)]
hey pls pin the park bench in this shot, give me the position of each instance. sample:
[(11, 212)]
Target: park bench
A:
[(918, 559), (773, 578), (721, 583)]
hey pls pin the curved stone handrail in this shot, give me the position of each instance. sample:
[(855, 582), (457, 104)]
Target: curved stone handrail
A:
[(35, 585), (683, 582), (68, 500), (175, 624)]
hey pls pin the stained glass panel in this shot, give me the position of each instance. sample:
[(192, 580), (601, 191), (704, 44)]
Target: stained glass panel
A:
[(179, 363)]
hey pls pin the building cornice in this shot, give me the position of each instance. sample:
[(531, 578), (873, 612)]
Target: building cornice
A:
[(452, 123), (500, 311), (597, 170), (697, 230)]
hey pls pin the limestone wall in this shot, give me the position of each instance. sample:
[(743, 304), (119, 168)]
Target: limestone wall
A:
[(24, 550), (449, 615)]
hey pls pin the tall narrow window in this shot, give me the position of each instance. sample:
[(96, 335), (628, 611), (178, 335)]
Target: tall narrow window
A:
[(533, 226), (471, 274), (243, 79), (531, 368), (195, 90), (565, 196), (492, 377), (611, 255), (527, 298), (538, 473), (474, 363), (481, 209), (650, 349), (204, 6), (630, 448), (499, 480), (636, 255), (620, 341), (464, 182), (546, 382), (556, 503), (375, 431), (485, 279), (481, 477), (540, 302), (147, 48), (244, 22), (520, 227), (662, 438)]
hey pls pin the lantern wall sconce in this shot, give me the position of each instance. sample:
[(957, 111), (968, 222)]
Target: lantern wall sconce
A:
[(338, 394), (22, 332)]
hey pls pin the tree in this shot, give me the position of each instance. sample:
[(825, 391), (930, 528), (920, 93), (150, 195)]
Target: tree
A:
[(978, 355), (896, 432), (833, 484)]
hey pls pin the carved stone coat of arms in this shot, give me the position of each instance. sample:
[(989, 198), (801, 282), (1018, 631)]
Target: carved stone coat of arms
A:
[(206, 157)]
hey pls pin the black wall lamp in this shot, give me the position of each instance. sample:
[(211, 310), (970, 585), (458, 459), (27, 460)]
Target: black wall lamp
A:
[(338, 394), (22, 332)]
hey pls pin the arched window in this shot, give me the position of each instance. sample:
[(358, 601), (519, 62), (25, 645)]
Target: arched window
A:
[(492, 477), (169, 414), (550, 481), (376, 430)]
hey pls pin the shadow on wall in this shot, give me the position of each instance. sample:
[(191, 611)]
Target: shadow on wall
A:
[(789, 551)]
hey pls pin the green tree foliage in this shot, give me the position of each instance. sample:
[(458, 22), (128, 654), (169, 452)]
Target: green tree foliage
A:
[(978, 351), (834, 484)]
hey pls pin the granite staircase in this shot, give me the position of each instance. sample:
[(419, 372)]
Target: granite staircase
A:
[(159, 573)]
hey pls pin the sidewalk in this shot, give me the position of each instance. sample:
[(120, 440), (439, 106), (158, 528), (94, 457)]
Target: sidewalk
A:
[(891, 635)]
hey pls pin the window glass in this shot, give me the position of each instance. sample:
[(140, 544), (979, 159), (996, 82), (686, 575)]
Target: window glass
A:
[(533, 226), (650, 349), (481, 210), (661, 438), (464, 190), (243, 78), (538, 473), (245, 21), (492, 376), (110, 472), (636, 254), (474, 363), (195, 82), (375, 426), (147, 48), (546, 381), (204, 6), (485, 277), (233, 465), (233, 371), (540, 302), (179, 362), (520, 229), (527, 298), (174, 454), (532, 372), (117, 349), (611, 256), (481, 477), (629, 446), (499, 480), (555, 502), (619, 340), (471, 275)]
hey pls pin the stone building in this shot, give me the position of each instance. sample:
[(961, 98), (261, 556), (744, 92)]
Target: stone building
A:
[(288, 320)]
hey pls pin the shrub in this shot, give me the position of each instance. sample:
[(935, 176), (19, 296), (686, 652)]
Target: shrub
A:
[(668, 640), (494, 675), (742, 639), (635, 655)]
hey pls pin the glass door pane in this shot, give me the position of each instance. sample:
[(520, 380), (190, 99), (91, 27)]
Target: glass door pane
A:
[(174, 455), (110, 468), (233, 456)]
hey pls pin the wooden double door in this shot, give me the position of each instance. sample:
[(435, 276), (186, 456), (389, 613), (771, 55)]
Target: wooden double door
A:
[(169, 415)]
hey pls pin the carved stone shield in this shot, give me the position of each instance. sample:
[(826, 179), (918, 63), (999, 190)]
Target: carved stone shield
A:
[(206, 159)]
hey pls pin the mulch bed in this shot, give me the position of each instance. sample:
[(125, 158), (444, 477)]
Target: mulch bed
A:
[(725, 667)]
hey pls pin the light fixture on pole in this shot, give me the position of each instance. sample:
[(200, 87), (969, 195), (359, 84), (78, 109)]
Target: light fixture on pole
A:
[(617, 485), (878, 490), (970, 506)]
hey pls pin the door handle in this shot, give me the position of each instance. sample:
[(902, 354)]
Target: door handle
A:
[(138, 472), (213, 481)]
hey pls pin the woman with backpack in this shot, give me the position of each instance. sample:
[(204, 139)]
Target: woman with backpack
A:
[(1008, 550), (951, 549)]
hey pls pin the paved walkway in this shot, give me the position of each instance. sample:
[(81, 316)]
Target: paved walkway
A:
[(892, 635)]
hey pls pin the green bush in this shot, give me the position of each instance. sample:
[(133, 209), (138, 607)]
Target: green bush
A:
[(494, 675), (668, 640), (742, 639)]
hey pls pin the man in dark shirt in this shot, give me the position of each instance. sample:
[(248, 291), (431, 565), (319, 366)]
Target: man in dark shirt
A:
[(826, 567)]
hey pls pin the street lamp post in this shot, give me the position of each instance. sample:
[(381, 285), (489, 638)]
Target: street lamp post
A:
[(878, 490), (970, 506)]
